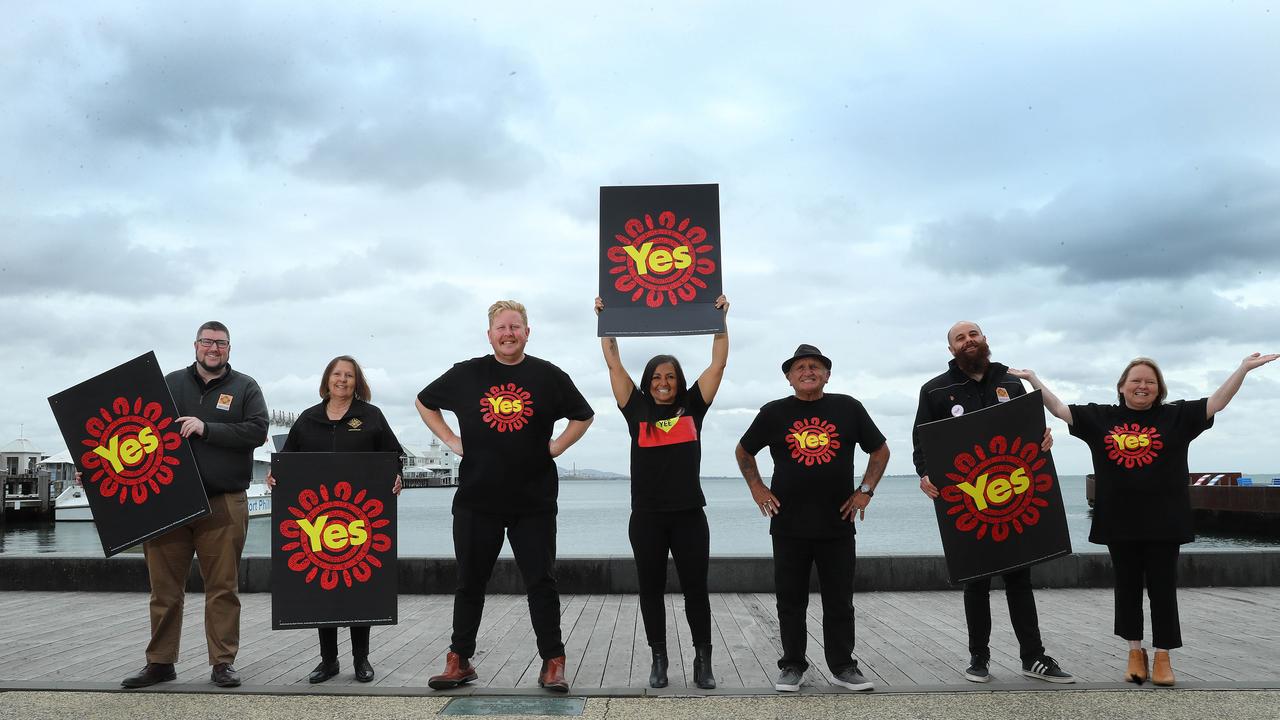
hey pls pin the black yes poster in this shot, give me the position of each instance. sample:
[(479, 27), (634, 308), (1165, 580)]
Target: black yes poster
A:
[(660, 260), (333, 546), (138, 472), (1000, 506)]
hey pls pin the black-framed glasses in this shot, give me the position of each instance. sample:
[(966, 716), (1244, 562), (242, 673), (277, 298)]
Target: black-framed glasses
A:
[(209, 342)]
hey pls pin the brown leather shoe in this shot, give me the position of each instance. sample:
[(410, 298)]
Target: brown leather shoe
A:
[(1161, 670), (149, 675), (552, 675), (457, 671), (1137, 670), (223, 675)]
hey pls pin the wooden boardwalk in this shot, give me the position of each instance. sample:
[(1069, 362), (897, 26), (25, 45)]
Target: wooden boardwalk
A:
[(905, 640)]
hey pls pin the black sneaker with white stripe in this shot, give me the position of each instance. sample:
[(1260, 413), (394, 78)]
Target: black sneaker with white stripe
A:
[(1046, 668), (977, 670)]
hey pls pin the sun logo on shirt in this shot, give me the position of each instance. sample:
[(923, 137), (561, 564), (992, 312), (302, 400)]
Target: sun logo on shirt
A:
[(997, 488), (1131, 445), (813, 441), (659, 261), (128, 450), (335, 536), (506, 408)]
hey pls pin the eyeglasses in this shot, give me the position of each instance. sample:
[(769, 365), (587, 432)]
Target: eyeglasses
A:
[(207, 342)]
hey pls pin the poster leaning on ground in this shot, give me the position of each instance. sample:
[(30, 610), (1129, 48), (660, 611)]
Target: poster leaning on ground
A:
[(660, 270), (333, 544), (138, 472), (1000, 507)]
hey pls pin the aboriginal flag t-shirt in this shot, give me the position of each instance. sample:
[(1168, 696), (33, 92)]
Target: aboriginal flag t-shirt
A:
[(812, 444), (666, 451), (1140, 469), (506, 415)]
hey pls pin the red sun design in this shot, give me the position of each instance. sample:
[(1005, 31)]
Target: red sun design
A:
[(1132, 445), (128, 450), (661, 261), (813, 441), (506, 408), (349, 554), (997, 488)]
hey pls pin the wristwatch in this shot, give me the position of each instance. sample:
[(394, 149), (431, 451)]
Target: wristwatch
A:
[(865, 490)]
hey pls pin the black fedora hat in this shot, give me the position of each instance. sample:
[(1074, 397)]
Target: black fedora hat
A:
[(805, 351)]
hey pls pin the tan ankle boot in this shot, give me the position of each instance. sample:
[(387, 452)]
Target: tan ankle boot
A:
[(1137, 670), (1161, 670)]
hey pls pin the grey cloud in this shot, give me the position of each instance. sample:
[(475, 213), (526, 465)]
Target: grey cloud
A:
[(1192, 222)]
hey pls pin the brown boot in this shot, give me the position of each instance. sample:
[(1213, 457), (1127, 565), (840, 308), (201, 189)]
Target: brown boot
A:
[(457, 671), (1137, 670), (1161, 670), (552, 675)]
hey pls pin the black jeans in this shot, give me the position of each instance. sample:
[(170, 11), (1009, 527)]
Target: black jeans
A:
[(793, 560), (359, 642), (1155, 565), (685, 534), (477, 540), (1022, 614)]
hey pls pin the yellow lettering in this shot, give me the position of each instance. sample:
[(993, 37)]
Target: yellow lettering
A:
[(660, 261), (313, 530), (496, 403), (978, 493), (111, 453), (681, 257), (149, 440), (131, 451), (639, 256), (1143, 440), (1020, 481), (999, 491), (811, 440), (335, 536), (359, 535)]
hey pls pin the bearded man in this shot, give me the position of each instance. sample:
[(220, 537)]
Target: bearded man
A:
[(973, 382)]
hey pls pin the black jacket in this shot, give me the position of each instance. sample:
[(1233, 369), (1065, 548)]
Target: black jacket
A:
[(362, 429), (940, 396), (235, 422)]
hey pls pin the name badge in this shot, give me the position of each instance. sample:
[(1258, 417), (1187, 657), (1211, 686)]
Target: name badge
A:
[(1002, 395), (224, 401)]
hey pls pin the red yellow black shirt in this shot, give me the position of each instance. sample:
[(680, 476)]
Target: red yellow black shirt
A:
[(666, 451)]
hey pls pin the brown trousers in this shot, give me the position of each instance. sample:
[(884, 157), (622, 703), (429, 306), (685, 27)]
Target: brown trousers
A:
[(217, 540)]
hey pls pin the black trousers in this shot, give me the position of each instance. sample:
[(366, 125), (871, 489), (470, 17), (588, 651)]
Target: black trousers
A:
[(359, 642), (1022, 614), (1155, 565), (685, 535), (477, 540), (793, 559)]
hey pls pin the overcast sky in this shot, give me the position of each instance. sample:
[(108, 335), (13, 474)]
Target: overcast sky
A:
[(1089, 183)]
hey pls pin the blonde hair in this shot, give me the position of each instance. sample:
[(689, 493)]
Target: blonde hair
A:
[(1162, 391), (502, 305)]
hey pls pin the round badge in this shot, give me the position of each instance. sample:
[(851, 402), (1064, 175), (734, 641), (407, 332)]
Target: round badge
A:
[(957, 410)]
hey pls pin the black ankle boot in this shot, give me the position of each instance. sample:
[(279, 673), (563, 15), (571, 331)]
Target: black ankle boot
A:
[(658, 675), (702, 676)]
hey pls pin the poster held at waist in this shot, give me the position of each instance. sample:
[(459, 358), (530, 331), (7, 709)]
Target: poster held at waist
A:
[(333, 544), (1000, 506), (659, 254), (139, 475)]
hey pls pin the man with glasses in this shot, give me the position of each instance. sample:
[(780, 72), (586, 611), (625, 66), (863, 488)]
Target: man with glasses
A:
[(223, 418)]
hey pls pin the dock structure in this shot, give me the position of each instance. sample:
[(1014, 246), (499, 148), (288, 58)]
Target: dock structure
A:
[(906, 642)]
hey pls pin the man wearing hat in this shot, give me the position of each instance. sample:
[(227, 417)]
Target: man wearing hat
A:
[(973, 382), (811, 504)]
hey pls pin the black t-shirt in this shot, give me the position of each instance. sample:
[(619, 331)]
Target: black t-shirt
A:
[(666, 451), (1140, 468), (811, 442), (506, 414)]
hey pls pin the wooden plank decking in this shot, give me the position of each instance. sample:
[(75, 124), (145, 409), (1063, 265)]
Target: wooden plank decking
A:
[(904, 640)]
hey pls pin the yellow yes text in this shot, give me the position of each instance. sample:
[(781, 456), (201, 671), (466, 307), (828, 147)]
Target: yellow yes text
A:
[(130, 452), (506, 406), (660, 260), (336, 536), (810, 440), (998, 491), (1125, 441)]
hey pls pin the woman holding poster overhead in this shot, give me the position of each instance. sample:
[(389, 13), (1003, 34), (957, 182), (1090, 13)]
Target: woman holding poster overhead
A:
[(1142, 507), (664, 417), (343, 421)]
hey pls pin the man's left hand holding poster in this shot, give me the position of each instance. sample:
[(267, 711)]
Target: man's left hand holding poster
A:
[(333, 549), (139, 474)]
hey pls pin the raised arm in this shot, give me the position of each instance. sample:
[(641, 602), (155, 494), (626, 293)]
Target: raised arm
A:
[(709, 380), (439, 427), (1220, 397), (619, 379), (1051, 401)]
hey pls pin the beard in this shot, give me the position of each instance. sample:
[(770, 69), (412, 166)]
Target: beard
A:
[(974, 360)]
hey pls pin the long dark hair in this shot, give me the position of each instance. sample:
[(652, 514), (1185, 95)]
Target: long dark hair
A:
[(657, 412)]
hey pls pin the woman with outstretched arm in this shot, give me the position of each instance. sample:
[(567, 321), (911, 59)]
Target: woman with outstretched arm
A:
[(1142, 505), (664, 418)]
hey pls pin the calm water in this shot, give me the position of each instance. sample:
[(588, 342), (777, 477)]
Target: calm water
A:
[(593, 521)]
